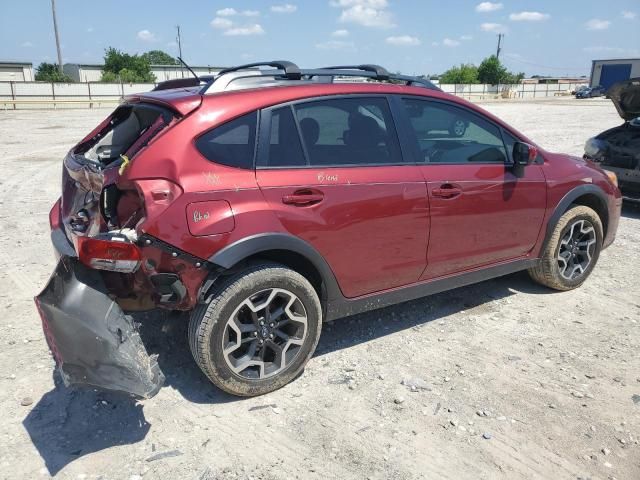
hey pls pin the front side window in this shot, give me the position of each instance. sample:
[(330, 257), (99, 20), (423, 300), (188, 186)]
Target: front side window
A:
[(336, 132), (449, 134), (231, 144)]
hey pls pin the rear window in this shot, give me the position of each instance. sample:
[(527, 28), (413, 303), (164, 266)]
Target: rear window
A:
[(231, 144), (129, 129)]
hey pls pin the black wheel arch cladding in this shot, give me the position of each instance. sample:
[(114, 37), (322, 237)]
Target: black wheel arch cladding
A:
[(585, 192), (247, 247)]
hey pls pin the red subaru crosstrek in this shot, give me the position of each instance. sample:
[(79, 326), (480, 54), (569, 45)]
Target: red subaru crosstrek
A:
[(266, 201)]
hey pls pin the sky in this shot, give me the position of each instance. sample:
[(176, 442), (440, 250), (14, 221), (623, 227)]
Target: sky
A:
[(543, 37)]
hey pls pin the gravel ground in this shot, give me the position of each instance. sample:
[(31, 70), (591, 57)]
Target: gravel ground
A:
[(503, 379)]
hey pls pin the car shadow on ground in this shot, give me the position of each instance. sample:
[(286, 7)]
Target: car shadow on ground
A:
[(631, 210), (67, 424)]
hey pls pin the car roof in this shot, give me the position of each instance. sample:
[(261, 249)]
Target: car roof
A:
[(221, 99)]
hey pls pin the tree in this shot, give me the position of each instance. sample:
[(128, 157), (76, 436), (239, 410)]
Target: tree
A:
[(158, 57), (120, 66), (513, 78), (49, 72), (492, 71), (465, 73)]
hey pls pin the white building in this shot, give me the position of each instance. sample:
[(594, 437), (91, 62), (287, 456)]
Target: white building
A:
[(83, 72), (16, 71), (93, 72), (170, 72), (608, 72)]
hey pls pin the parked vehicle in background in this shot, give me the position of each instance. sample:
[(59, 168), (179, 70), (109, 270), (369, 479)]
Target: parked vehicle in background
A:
[(618, 149), (266, 202), (581, 88), (591, 92)]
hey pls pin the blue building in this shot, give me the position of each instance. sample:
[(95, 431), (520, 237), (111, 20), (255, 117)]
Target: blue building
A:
[(608, 72)]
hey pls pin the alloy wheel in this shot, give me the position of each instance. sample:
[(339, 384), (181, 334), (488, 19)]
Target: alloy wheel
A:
[(576, 249), (264, 334)]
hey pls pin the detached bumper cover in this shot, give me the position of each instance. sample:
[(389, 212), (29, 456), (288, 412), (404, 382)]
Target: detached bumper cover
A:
[(93, 341)]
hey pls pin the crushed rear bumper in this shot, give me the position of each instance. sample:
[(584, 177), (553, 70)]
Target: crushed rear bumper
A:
[(94, 343)]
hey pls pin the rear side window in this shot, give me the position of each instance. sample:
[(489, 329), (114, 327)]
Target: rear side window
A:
[(336, 132), (231, 144), (449, 134)]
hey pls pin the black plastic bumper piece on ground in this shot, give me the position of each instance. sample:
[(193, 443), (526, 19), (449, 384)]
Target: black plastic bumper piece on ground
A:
[(93, 341)]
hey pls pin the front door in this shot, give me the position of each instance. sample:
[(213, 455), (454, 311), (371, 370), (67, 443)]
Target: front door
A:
[(481, 213), (346, 189)]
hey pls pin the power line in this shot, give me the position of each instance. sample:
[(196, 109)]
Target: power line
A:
[(511, 57)]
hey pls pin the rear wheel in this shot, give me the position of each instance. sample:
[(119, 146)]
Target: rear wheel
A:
[(572, 251), (258, 331)]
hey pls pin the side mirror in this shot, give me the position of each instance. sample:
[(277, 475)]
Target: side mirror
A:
[(524, 154)]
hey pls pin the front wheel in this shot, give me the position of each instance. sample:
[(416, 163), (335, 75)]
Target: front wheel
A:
[(572, 251), (258, 331)]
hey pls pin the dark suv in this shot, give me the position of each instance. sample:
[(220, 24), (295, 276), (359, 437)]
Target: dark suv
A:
[(266, 201), (618, 149)]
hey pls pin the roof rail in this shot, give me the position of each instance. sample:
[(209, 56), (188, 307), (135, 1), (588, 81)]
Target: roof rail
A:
[(381, 72), (285, 71), (291, 70)]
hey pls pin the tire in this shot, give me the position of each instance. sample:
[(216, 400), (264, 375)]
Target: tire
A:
[(457, 128), (549, 271), (210, 327)]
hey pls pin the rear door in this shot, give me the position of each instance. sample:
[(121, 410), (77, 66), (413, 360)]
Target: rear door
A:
[(481, 213), (334, 173)]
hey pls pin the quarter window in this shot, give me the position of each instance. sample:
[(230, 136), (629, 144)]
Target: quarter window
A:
[(448, 134), (231, 144)]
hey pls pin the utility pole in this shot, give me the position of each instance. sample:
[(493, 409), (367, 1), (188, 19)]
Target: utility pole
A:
[(500, 37), (55, 30), (179, 40)]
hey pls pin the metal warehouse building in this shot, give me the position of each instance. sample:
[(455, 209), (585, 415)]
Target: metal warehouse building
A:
[(16, 72), (83, 72), (608, 72)]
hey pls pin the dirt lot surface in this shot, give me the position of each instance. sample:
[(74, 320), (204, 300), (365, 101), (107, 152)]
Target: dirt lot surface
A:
[(509, 379)]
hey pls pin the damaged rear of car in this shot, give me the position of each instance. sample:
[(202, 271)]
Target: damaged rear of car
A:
[(618, 149), (104, 257)]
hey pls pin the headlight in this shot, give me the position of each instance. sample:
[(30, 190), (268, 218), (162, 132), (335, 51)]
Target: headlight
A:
[(595, 148)]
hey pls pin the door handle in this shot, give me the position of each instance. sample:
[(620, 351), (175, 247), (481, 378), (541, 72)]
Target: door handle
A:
[(447, 190), (303, 198)]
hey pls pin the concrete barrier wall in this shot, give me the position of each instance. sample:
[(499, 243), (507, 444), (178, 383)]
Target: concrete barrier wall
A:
[(20, 95)]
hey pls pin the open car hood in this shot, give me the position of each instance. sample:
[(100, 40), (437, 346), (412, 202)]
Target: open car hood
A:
[(626, 97)]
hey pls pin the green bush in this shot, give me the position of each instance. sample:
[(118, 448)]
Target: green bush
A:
[(123, 67), (465, 73), (48, 72)]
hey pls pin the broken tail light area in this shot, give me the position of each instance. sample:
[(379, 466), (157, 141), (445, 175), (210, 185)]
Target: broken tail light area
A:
[(115, 254)]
